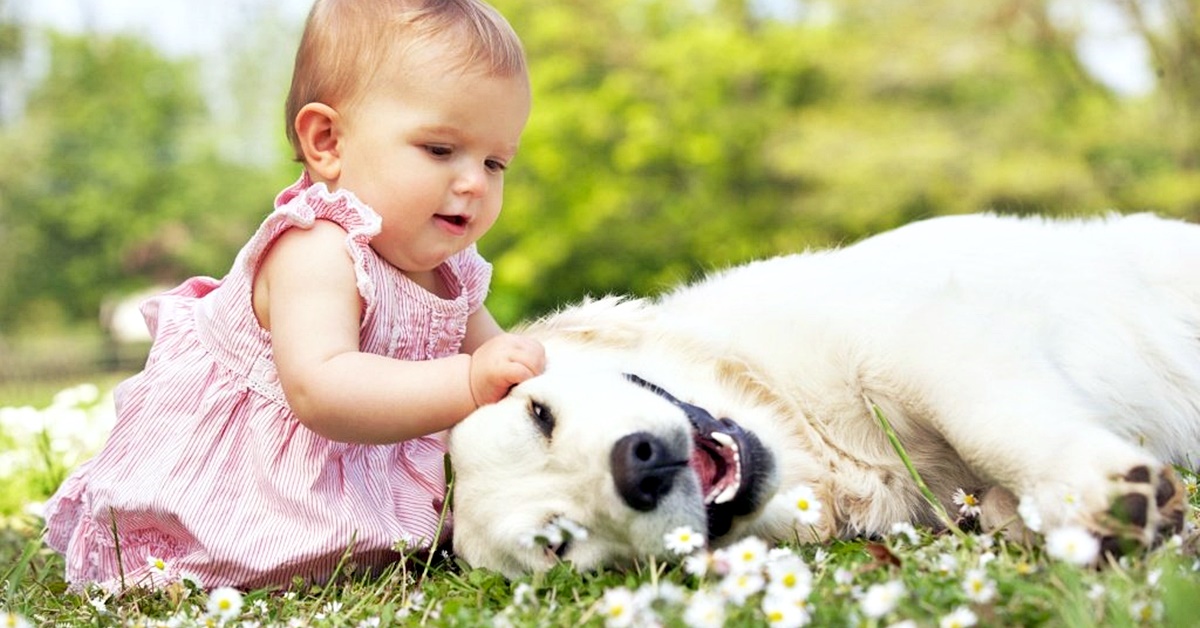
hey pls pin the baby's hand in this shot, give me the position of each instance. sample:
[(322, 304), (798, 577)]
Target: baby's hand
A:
[(503, 362)]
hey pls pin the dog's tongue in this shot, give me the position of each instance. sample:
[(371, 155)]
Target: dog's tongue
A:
[(705, 467), (715, 465)]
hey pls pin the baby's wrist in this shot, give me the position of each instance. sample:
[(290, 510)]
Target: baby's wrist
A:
[(471, 382)]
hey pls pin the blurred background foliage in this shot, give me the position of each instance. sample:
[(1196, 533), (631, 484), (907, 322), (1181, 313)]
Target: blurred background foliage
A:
[(668, 137)]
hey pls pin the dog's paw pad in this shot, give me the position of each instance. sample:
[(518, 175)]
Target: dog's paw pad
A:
[(1147, 506), (1131, 508)]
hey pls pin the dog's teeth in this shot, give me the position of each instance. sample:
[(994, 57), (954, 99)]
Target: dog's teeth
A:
[(723, 438), (728, 494)]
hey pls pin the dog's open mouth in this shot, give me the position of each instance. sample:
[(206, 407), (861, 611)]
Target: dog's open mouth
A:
[(717, 461), (730, 462)]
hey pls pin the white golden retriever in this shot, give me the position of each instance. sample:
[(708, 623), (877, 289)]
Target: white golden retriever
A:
[(1055, 364)]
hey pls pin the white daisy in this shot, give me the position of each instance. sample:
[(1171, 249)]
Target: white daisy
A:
[(697, 564), (13, 620), (618, 608), (649, 593), (1030, 514), (844, 579), (683, 540), (807, 508), (705, 610), (1146, 612), (784, 612), (1071, 501), (961, 617), (779, 553), (1153, 576), (979, 587), (157, 565), (881, 599), (748, 554), (790, 578), (191, 583), (224, 603), (523, 594), (907, 531), (1072, 544), (738, 586), (968, 503), (947, 563)]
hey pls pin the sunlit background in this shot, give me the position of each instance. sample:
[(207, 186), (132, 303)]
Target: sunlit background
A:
[(143, 141)]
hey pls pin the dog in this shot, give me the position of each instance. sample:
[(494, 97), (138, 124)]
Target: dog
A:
[(1051, 367)]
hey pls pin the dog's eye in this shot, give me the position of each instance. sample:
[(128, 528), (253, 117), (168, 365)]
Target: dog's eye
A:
[(542, 418)]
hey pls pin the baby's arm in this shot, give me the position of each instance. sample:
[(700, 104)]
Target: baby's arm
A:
[(306, 295)]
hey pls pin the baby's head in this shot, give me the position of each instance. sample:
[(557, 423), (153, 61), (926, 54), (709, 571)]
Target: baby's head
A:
[(346, 42)]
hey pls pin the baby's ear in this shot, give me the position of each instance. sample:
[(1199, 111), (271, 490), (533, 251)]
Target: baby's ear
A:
[(318, 127)]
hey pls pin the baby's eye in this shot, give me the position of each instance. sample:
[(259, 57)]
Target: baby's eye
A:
[(494, 165), (438, 150)]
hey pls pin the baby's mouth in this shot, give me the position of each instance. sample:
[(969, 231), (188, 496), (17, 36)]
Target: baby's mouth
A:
[(458, 221)]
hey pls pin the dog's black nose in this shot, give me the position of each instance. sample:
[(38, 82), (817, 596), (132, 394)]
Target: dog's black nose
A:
[(643, 469)]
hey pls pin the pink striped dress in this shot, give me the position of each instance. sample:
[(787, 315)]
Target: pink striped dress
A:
[(208, 470)]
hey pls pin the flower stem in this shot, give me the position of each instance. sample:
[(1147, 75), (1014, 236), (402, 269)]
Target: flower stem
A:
[(932, 499)]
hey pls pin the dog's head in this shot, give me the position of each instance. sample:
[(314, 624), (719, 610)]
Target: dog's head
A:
[(596, 467)]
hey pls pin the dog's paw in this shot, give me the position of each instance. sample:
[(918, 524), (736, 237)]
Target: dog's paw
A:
[(1147, 505)]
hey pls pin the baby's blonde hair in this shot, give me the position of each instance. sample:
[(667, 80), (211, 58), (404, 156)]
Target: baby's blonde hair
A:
[(346, 41)]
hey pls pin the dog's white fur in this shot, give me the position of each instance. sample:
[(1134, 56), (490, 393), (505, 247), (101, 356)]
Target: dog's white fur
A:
[(1054, 361)]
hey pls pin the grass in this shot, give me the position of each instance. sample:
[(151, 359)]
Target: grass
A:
[(909, 576)]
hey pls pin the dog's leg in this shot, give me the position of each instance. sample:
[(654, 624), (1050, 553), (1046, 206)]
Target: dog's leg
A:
[(1041, 447)]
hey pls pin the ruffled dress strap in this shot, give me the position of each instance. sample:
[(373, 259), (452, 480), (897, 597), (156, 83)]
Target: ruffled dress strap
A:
[(474, 274), (305, 202)]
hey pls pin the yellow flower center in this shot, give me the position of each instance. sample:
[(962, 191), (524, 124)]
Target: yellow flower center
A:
[(802, 504), (789, 580), (969, 499)]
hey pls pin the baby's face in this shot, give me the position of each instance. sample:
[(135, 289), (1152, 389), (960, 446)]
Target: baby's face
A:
[(428, 153)]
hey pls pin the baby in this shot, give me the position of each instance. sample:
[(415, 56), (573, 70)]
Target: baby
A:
[(290, 412)]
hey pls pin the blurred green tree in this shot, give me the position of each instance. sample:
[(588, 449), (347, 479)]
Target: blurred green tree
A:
[(12, 37), (118, 185)]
